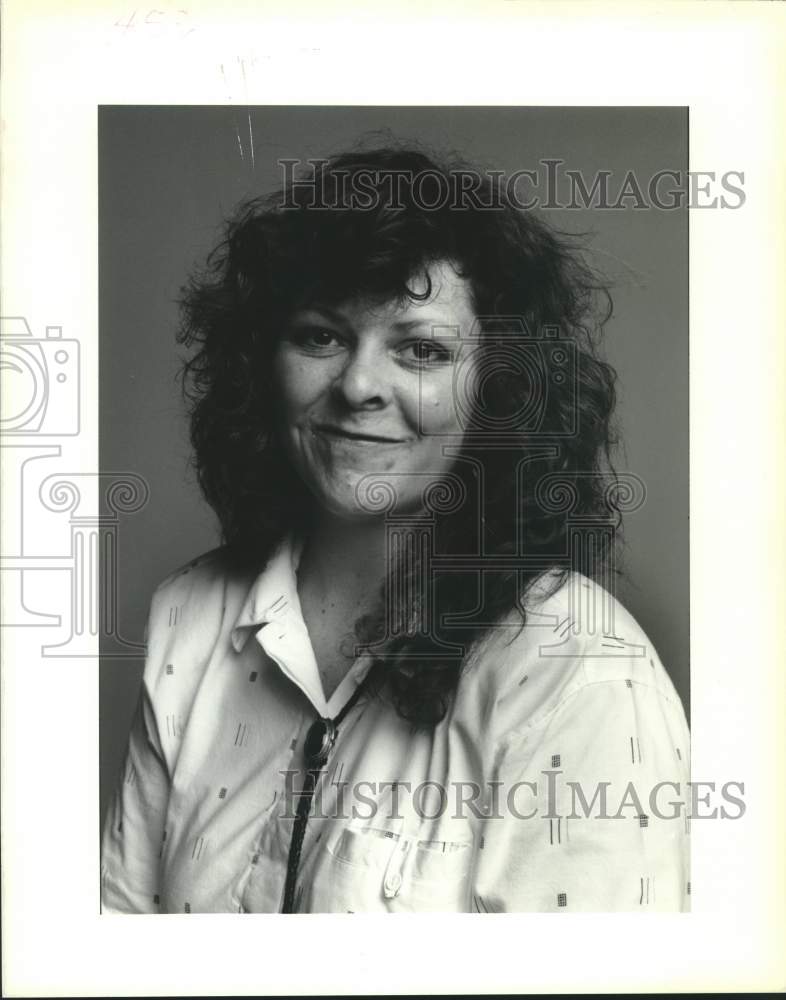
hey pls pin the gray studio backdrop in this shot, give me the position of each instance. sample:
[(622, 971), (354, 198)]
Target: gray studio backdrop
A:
[(167, 178)]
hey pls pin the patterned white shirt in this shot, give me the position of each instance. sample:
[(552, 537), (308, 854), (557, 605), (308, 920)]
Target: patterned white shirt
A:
[(557, 781)]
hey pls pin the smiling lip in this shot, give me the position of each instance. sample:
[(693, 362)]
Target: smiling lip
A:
[(342, 432)]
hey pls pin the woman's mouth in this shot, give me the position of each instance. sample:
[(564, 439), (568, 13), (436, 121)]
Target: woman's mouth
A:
[(346, 434)]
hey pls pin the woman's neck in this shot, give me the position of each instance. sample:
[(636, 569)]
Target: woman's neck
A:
[(345, 558)]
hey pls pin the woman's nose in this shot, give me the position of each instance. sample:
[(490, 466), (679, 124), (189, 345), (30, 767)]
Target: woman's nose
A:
[(364, 382)]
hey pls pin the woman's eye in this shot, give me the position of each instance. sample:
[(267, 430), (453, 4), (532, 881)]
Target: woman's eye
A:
[(316, 338), (426, 352)]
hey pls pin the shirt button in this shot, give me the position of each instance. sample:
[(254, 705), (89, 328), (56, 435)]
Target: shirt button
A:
[(392, 884)]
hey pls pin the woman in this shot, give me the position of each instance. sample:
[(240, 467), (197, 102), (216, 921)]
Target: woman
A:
[(399, 685)]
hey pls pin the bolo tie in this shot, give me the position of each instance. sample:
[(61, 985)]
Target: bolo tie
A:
[(317, 746)]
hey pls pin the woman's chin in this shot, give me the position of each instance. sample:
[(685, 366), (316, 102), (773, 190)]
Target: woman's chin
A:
[(366, 499)]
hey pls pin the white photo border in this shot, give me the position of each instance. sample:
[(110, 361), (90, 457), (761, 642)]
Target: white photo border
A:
[(721, 60)]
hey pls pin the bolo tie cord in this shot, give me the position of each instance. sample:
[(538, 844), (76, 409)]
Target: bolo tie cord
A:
[(316, 749)]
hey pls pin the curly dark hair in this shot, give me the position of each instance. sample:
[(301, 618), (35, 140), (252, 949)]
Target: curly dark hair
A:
[(534, 428)]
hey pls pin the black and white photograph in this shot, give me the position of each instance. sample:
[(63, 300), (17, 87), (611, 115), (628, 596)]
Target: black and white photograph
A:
[(429, 651), (392, 498)]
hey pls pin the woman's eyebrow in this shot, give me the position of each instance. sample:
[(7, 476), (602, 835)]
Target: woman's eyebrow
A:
[(433, 323), (398, 326), (324, 311)]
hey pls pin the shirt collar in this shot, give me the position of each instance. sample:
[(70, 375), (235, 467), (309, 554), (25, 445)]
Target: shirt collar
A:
[(273, 595), (272, 612)]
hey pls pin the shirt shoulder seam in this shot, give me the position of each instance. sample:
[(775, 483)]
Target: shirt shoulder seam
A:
[(583, 686)]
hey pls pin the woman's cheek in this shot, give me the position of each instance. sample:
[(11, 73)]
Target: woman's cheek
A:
[(301, 386), (437, 411)]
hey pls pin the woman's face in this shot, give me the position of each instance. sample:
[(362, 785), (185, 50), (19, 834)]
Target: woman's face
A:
[(366, 388)]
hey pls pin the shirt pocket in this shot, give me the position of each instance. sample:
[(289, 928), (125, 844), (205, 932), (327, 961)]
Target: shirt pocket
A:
[(436, 874), (367, 868), (350, 873)]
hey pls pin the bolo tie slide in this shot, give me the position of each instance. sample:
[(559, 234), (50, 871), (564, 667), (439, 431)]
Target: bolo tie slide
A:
[(317, 747)]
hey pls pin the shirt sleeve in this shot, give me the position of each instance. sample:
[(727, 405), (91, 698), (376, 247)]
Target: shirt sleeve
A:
[(591, 811), (134, 828)]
